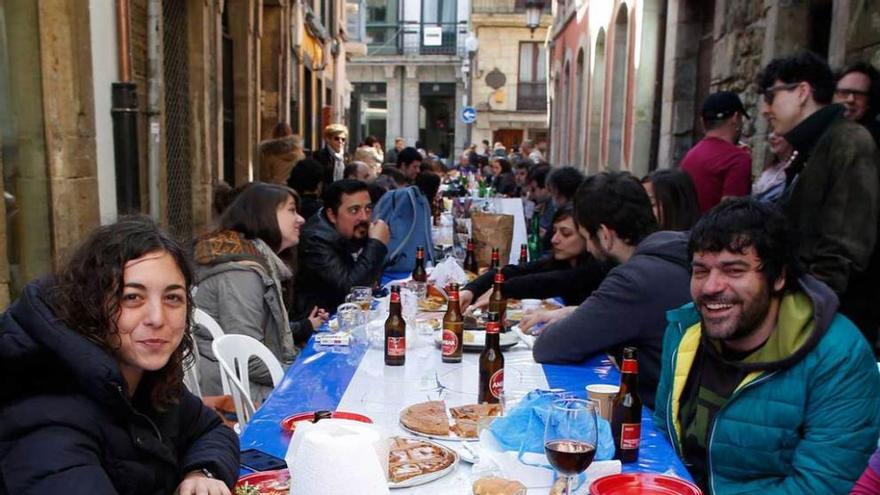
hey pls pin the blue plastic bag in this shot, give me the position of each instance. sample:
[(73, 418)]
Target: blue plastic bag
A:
[(522, 429)]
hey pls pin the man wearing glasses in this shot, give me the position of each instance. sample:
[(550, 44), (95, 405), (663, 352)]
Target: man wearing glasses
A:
[(332, 155), (340, 248), (832, 191), (858, 90)]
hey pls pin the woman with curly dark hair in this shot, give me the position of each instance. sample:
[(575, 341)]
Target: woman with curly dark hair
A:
[(92, 360)]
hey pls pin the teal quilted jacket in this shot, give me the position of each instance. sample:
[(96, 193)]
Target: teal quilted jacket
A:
[(804, 422)]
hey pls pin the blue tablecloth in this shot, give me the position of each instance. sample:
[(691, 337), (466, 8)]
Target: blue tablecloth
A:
[(320, 376)]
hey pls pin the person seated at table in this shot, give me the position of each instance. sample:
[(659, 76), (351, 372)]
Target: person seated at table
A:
[(570, 272), (92, 360), (306, 179), (766, 388), (358, 170), (502, 179), (341, 248), (240, 276), (614, 214), (562, 184), (673, 199)]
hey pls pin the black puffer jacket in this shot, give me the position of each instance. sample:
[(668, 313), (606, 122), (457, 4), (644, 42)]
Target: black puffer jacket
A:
[(67, 424), (328, 268)]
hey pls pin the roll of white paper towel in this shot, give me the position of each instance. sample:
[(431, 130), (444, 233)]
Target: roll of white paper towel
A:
[(337, 456)]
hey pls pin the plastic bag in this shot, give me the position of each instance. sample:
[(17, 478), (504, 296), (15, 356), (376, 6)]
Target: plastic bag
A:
[(522, 428)]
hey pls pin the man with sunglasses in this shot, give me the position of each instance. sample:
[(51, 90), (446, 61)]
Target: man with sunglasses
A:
[(832, 191), (332, 155), (858, 90)]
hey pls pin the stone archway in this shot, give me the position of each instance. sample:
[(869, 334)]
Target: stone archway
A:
[(619, 66), (577, 133), (597, 101)]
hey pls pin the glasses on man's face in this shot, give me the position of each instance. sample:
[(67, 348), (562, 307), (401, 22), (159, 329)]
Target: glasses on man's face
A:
[(770, 93), (846, 93), (339, 138)]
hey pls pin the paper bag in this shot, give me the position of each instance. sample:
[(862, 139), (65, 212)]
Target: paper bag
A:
[(491, 230)]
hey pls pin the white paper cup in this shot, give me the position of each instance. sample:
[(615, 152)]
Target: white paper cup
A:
[(603, 394)]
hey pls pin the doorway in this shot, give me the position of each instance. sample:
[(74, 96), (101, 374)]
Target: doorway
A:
[(508, 137), (436, 117)]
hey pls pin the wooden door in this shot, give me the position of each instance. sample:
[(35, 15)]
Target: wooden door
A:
[(507, 137)]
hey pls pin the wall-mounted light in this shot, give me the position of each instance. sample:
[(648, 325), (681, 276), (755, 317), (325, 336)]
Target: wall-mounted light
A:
[(534, 8)]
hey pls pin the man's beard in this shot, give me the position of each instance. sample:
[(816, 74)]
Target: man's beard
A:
[(746, 323), (361, 231)]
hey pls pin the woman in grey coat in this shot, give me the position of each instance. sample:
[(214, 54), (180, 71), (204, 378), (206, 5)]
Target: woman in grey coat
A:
[(239, 281)]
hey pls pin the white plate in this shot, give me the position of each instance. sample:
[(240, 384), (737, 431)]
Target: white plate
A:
[(452, 437), (469, 452), (427, 478)]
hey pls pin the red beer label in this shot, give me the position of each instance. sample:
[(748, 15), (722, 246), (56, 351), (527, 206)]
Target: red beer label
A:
[(629, 366), (499, 278), (453, 295), (450, 342), (395, 297), (396, 346), (493, 327), (496, 384), (630, 436)]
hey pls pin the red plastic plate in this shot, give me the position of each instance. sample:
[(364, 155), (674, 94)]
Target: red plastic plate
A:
[(642, 484), (289, 423), (265, 480)]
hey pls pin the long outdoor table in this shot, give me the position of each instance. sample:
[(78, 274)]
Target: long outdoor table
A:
[(355, 379)]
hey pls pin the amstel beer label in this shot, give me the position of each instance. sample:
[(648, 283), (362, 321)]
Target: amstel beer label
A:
[(630, 435), (450, 342), (396, 346), (496, 384)]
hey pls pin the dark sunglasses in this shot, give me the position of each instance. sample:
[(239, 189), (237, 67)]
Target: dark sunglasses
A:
[(770, 93)]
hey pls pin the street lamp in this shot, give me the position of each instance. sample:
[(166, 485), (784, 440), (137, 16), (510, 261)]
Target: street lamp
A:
[(533, 14)]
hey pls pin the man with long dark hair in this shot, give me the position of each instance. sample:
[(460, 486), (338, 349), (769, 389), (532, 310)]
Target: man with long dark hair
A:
[(765, 387)]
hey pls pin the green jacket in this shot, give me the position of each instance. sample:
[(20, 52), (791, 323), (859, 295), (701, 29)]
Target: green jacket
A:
[(806, 418), (833, 202)]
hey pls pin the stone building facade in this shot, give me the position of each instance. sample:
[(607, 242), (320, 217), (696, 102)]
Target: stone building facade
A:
[(648, 65), (409, 83), (511, 53), (211, 78)]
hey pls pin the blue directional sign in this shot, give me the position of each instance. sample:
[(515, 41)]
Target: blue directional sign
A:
[(468, 115)]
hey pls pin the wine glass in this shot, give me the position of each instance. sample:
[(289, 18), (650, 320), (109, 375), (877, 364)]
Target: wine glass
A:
[(570, 437)]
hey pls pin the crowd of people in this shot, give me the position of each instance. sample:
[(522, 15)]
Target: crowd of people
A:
[(754, 305)]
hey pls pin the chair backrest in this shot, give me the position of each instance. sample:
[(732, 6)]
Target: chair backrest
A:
[(233, 353), (206, 321), (191, 374)]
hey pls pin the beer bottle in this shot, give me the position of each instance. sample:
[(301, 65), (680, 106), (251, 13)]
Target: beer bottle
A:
[(470, 259), (419, 274), (453, 328), (491, 363), (496, 259), (523, 254), (626, 410), (497, 301), (395, 331)]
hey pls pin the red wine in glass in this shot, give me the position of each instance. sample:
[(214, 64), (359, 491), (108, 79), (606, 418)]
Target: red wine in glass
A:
[(570, 457)]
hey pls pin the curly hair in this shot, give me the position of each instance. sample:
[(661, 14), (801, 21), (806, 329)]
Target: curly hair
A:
[(805, 66), (86, 294)]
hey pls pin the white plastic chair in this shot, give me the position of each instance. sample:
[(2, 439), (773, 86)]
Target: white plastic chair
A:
[(233, 353), (191, 376)]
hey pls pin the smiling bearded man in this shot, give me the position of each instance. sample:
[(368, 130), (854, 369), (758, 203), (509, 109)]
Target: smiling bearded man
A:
[(764, 387)]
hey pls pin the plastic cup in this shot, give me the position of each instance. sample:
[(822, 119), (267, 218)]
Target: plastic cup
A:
[(603, 394)]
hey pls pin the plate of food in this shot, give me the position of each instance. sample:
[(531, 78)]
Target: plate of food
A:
[(435, 300), (289, 423), (432, 420), (414, 461), (264, 483)]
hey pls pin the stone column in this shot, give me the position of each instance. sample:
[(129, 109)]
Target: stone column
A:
[(241, 29), (410, 108), (69, 116)]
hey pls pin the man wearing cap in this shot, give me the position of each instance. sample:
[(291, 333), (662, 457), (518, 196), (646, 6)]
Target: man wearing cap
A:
[(717, 165)]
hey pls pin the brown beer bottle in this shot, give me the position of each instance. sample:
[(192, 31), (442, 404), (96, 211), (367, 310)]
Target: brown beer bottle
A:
[(419, 274), (470, 259), (626, 410), (523, 254), (453, 328), (491, 363), (497, 301), (496, 259), (395, 331)]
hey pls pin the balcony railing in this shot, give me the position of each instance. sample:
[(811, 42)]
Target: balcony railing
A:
[(416, 38), (503, 6), (531, 96)]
